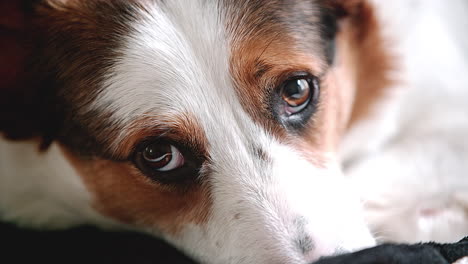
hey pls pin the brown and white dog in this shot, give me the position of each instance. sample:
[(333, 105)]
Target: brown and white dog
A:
[(214, 124)]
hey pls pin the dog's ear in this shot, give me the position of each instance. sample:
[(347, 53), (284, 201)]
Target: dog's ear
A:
[(24, 97)]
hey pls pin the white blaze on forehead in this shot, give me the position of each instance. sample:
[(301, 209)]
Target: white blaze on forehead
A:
[(174, 60)]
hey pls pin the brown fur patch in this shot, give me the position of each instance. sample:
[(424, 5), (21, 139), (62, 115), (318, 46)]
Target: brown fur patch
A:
[(121, 192), (255, 85), (336, 105), (124, 193), (60, 54), (265, 52), (360, 75), (270, 40), (373, 60), (182, 128)]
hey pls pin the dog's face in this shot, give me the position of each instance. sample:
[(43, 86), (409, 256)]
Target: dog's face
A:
[(213, 124)]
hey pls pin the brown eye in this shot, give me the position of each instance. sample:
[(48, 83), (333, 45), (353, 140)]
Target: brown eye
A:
[(167, 162), (295, 100), (162, 157), (297, 94)]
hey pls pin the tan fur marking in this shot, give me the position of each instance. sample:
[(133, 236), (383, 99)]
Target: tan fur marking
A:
[(258, 66), (268, 44), (336, 103), (373, 60), (359, 77), (181, 128), (123, 193), (254, 85), (349, 89)]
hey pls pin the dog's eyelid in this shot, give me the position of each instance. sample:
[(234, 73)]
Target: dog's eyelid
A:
[(296, 74), (159, 136)]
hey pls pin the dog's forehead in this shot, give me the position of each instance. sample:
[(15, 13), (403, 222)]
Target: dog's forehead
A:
[(184, 56), (174, 62)]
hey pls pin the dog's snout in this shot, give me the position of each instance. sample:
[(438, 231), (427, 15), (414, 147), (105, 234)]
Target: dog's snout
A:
[(306, 245), (309, 247)]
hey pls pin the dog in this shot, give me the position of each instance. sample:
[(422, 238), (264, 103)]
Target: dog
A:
[(220, 126)]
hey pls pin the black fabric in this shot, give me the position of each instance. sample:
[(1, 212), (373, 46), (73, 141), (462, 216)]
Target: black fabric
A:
[(83, 245), (429, 253), (452, 252), (90, 245)]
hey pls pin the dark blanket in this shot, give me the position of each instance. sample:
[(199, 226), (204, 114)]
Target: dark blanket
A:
[(90, 245), (429, 253)]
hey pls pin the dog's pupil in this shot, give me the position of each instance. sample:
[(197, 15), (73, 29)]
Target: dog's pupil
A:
[(159, 155), (296, 92)]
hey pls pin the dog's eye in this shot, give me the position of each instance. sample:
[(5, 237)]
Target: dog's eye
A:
[(167, 162), (296, 99), (297, 94), (162, 157)]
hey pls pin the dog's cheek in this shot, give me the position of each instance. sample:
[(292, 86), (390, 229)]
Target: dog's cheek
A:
[(358, 79), (339, 94), (122, 193), (338, 88)]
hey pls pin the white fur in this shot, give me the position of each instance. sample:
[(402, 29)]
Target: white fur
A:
[(41, 189), (413, 175)]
